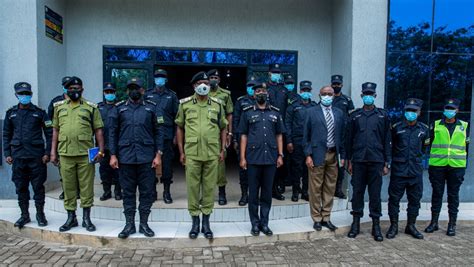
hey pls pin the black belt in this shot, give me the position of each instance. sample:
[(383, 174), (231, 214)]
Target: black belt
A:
[(331, 149)]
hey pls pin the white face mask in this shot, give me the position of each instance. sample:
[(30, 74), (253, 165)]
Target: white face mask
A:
[(202, 89)]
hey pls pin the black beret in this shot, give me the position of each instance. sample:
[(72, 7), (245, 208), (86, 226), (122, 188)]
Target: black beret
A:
[(22, 87), (306, 85), (74, 81), (368, 87), (202, 75), (65, 80), (135, 81), (275, 68), (213, 72), (452, 103), (289, 79), (160, 73), (109, 86), (336, 78), (413, 103)]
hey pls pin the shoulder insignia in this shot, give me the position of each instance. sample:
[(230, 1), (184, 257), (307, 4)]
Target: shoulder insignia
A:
[(217, 100), (247, 108), (119, 103), (424, 125), (184, 100), (150, 102), (240, 97), (48, 124), (396, 124), (274, 108), (172, 92), (59, 103), (92, 104), (226, 91), (160, 120)]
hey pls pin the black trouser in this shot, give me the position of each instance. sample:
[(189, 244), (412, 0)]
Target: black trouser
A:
[(340, 177), (397, 187), (108, 175), (131, 177), (26, 171), (260, 192), (243, 179), (366, 174), (299, 169), (453, 178), (167, 162)]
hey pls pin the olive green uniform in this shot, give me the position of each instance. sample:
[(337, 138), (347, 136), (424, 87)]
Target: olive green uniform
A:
[(226, 101), (76, 123), (202, 122)]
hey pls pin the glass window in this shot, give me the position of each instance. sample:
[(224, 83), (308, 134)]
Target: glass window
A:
[(120, 76), (410, 24), (225, 57), (454, 26), (267, 58), (173, 55), (127, 54)]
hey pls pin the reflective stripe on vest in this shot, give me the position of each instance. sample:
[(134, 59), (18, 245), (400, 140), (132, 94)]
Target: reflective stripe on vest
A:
[(448, 150)]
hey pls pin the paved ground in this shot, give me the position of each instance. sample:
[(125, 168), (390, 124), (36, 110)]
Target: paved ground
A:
[(437, 249)]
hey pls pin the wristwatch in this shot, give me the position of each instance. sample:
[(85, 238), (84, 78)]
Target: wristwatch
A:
[(101, 153)]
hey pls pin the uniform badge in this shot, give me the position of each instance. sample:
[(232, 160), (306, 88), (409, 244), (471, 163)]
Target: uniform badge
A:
[(48, 123), (160, 120)]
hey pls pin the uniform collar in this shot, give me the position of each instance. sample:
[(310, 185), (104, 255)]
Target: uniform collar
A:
[(141, 102), (267, 107), (457, 122), (31, 106), (196, 101)]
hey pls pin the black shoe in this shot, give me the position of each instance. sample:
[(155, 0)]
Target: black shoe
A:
[(70, 222), (393, 229), (278, 196), (295, 194), (40, 216), (355, 227), (222, 197), (329, 225), (166, 194), (339, 194), (118, 192), (305, 196), (451, 231), (281, 189), (61, 196), (433, 226), (106, 195), (129, 228), (255, 231), (143, 227), (86, 220), (410, 229), (317, 226), (193, 234), (25, 216), (376, 232), (244, 199), (266, 230), (206, 228)]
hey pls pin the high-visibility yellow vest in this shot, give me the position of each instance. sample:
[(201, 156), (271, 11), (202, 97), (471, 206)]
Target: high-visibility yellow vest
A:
[(447, 150)]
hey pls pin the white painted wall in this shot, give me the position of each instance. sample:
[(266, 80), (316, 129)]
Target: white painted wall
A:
[(303, 25)]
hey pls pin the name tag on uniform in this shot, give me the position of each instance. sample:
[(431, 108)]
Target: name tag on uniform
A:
[(148, 109), (35, 115), (273, 117), (123, 109), (400, 132)]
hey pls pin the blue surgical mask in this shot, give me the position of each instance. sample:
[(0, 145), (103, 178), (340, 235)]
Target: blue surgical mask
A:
[(24, 99), (290, 87), (368, 100), (275, 77), (160, 81), (64, 90), (326, 100), (110, 97), (250, 90), (410, 115), (306, 95), (449, 113)]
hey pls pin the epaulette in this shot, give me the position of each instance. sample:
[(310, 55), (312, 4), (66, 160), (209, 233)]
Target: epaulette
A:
[(247, 108), (348, 98), (383, 111), (217, 100), (119, 103), (396, 124), (151, 102), (59, 103), (92, 104), (274, 108), (240, 98), (171, 91), (13, 107), (290, 101), (184, 100), (423, 124)]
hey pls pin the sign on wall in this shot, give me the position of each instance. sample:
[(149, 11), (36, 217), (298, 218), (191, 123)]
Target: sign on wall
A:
[(54, 25)]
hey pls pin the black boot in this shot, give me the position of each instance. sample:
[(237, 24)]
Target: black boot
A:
[(411, 229), (295, 193), (118, 191), (129, 228), (86, 220), (433, 224), (244, 199), (339, 193), (193, 234), (40, 217), (276, 194), (25, 216), (452, 225), (393, 229), (206, 228), (70, 222), (222, 197), (61, 196), (144, 228), (355, 227), (167, 194), (107, 192), (376, 232)]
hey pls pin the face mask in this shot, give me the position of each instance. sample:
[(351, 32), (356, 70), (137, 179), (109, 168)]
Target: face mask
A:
[(449, 113), (261, 98), (368, 100), (24, 99), (290, 87), (326, 100), (275, 77), (160, 81), (410, 115), (337, 90), (250, 90), (213, 84), (202, 89), (74, 95), (306, 95), (134, 95), (109, 97), (65, 91)]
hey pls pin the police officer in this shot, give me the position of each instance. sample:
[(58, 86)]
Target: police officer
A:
[(241, 103), (226, 101), (447, 164), (167, 104), (202, 137), (24, 147), (278, 97), (408, 139), (293, 96), (108, 175), (136, 143), (294, 123), (261, 152), (369, 155), (76, 121), (344, 103)]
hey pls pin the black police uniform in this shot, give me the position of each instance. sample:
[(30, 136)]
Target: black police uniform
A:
[(23, 140), (135, 138), (261, 126)]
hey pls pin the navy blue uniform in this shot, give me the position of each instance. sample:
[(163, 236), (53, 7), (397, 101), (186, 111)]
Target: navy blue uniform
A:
[(369, 149), (108, 175), (407, 169), (135, 138), (23, 140), (261, 126)]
